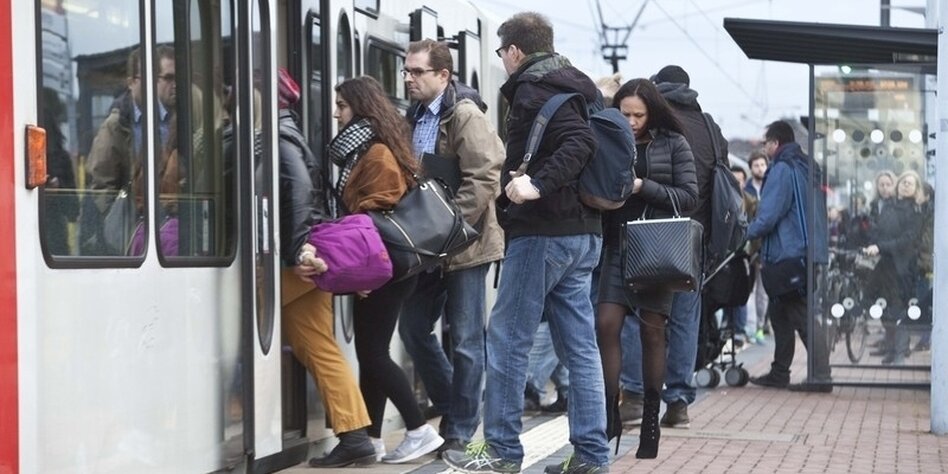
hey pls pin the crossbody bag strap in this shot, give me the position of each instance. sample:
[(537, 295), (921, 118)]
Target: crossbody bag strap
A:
[(798, 198), (542, 119)]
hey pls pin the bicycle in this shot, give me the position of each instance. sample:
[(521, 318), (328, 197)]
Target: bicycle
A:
[(844, 303)]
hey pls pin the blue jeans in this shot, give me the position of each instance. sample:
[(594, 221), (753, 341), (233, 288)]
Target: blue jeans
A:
[(735, 317), (454, 389), (544, 364), (682, 331), (551, 273)]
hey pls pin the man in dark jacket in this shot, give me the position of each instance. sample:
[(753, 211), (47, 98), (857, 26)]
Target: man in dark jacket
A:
[(455, 141), (707, 144), (781, 223), (553, 245)]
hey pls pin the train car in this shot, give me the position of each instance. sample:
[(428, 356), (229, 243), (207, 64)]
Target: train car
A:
[(139, 265)]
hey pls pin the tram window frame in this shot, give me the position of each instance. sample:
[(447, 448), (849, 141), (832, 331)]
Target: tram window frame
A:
[(91, 261), (228, 191), (316, 118), (366, 6), (398, 94)]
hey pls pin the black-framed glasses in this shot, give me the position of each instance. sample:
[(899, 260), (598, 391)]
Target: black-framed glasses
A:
[(167, 77), (502, 48), (416, 72)]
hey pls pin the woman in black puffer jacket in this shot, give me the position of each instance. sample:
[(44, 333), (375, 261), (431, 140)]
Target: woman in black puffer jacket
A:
[(664, 167)]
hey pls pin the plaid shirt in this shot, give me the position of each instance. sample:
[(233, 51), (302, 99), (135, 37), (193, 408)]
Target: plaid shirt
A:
[(425, 135)]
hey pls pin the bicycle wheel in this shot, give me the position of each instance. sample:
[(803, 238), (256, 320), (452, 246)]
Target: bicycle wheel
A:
[(856, 337)]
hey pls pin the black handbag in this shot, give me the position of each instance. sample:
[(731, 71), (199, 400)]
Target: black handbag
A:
[(424, 228), (662, 253)]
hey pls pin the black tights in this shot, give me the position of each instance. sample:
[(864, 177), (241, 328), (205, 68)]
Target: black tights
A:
[(609, 320)]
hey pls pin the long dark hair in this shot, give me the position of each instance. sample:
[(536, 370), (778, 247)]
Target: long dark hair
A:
[(660, 114), (367, 100)]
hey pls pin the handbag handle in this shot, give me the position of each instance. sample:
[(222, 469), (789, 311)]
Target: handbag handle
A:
[(676, 206)]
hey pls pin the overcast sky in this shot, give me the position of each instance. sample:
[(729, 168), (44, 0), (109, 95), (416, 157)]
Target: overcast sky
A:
[(742, 94)]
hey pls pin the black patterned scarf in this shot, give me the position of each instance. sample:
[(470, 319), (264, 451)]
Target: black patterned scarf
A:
[(348, 146)]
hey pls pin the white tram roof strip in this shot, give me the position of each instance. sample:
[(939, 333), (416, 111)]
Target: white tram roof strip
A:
[(540, 442)]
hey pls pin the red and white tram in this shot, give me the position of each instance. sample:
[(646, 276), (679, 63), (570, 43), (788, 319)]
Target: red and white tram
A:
[(128, 344)]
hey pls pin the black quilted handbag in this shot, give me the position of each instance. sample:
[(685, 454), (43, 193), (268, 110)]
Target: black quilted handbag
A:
[(423, 229), (662, 253)]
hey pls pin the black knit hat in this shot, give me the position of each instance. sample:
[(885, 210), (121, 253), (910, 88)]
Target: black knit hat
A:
[(673, 74)]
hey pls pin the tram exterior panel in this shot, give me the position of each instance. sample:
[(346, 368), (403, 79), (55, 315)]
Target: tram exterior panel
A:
[(146, 366)]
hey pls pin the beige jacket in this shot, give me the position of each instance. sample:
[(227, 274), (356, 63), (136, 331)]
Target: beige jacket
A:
[(465, 134)]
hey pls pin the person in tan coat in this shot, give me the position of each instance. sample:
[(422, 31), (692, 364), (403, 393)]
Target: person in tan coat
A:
[(457, 143), (377, 168)]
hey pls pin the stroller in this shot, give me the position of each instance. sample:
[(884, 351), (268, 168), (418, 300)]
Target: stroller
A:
[(729, 285)]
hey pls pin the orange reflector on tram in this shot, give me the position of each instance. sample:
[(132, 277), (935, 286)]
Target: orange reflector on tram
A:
[(35, 156)]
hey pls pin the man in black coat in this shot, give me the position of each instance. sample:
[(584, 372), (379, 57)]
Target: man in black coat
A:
[(554, 242), (707, 145)]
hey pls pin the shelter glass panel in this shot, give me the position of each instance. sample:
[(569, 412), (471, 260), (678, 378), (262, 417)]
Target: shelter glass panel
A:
[(874, 297)]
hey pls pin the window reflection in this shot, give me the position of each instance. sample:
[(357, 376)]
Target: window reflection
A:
[(91, 105), (386, 65), (194, 165)]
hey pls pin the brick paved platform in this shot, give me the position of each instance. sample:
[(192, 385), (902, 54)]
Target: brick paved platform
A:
[(754, 429)]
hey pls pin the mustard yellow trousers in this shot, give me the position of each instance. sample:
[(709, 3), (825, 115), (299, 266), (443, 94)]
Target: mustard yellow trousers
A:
[(308, 327)]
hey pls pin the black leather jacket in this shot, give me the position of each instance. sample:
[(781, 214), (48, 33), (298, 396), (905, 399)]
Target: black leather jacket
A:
[(302, 201)]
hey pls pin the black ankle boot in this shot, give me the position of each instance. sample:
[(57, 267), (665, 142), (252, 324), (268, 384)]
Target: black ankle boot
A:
[(613, 421), (354, 448), (650, 434)]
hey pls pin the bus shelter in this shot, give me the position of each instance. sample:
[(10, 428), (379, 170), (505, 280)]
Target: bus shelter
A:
[(871, 129)]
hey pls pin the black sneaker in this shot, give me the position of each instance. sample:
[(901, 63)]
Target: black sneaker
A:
[(572, 465), (479, 457), (559, 406), (451, 444), (630, 410), (676, 415), (531, 399), (771, 380)]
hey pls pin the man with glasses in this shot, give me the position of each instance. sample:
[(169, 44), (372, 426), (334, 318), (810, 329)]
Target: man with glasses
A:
[(456, 142), (553, 245)]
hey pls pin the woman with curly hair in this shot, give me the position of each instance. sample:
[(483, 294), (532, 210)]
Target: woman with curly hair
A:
[(377, 168)]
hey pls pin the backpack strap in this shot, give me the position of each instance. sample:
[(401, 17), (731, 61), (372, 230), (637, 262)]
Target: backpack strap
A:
[(539, 125), (714, 137)]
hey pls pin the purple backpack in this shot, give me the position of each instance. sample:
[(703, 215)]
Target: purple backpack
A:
[(353, 252)]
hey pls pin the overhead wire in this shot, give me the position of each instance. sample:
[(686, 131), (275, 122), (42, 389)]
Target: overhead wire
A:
[(697, 45)]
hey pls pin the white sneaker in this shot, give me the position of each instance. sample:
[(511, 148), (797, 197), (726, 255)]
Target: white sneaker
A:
[(417, 443), (379, 446)]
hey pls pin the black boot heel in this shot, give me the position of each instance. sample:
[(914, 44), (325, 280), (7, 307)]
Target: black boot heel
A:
[(613, 421), (651, 432)]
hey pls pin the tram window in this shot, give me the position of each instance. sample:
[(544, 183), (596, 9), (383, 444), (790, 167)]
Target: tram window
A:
[(386, 65), (368, 6), (314, 78), (343, 50), (263, 174), (195, 180), (92, 109)]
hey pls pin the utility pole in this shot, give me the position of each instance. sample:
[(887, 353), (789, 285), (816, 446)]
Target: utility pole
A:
[(613, 48), (885, 11)]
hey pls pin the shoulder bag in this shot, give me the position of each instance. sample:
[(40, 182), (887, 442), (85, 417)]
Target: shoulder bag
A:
[(662, 253), (423, 229)]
